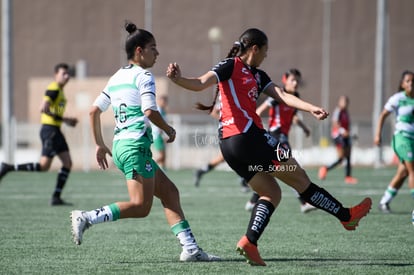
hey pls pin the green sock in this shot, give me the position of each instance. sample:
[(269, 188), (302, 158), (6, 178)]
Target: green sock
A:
[(116, 212)]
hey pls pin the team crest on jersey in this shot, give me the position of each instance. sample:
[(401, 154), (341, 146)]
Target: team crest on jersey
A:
[(253, 94), (148, 166)]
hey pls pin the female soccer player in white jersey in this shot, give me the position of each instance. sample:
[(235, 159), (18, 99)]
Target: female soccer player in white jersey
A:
[(250, 150), (131, 92), (402, 103)]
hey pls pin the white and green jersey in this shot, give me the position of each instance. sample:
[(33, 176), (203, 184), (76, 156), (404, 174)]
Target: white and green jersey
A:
[(403, 106), (130, 91)]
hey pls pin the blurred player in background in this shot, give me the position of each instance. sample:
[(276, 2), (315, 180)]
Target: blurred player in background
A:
[(214, 162), (341, 125), (402, 104), (53, 141), (249, 149), (131, 92), (157, 133), (281, 117)]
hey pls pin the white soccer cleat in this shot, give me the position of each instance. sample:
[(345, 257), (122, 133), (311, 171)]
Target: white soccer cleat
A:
[(198, 255), (79, 224), (249, 206), (306, 208)]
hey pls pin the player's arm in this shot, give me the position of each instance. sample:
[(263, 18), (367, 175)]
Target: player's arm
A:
[(377, 138), (155, 117), (262, 108), (101, 148), (45, 108), (194, 84), (302, 125), (277, 93)]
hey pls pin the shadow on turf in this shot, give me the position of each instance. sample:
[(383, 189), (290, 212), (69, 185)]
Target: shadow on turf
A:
[(367, 262)]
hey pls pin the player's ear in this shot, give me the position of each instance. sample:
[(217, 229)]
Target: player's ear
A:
[(138, 50)]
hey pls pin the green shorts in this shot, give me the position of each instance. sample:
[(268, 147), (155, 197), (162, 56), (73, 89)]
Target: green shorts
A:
[(403, 147), (159, 143), (134, 157)]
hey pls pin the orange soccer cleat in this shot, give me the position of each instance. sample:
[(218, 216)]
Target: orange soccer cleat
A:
[(250, 252), (357, 212), (351, 180), (323, 171)]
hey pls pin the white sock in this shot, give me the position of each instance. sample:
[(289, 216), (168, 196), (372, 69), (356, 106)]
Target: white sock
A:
[(100, 215), (389, 194), (187, 240)]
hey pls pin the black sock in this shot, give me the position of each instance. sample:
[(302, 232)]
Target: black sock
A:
[(301, 200), (348, 167), (321, 199), (333, 165), (35, 167), (259, 219), (243, 182), (61, 180), (254, 198)]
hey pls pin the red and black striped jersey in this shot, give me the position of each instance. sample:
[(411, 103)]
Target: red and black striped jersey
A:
[(280, 115), (240, 86)]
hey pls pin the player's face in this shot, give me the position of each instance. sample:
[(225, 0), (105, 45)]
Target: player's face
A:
[(261, 54), (343, 102), (291, 83), (149, 55), (62, 76), (408, 83)]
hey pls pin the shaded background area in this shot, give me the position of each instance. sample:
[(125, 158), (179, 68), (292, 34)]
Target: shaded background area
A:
[(48, 31)]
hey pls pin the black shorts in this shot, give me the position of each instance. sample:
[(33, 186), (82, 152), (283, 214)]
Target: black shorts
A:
[(252, 152), (53, 141), (342, 142), (282, 138)]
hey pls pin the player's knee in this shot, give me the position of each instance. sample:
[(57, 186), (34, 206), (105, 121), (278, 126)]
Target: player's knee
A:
[(141, 209)]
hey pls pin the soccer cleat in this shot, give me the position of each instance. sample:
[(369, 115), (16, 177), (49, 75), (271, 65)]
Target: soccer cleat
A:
[(197, 177), (79, 224), (350, 180), (357, 213), (249, 206), (384, 208), (4, 169), (305, 208), (323, 171), (249, 251), (197, 255), (55, 201)]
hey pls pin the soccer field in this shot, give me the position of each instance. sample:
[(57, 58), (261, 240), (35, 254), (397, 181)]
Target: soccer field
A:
[(36, 239)]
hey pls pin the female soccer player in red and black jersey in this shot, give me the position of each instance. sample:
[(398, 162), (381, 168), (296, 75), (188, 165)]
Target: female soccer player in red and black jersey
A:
[(281, 117), (340, 133), (249, 149)]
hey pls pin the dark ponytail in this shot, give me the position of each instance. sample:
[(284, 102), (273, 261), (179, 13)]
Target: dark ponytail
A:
[(247, 40), (232, 53), (136, 38)]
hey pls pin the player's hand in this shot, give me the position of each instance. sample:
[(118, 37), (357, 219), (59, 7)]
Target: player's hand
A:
[(101, 152), (319, 113), (173, 72), (171, 135), (71, 121)]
